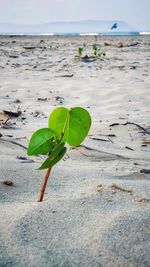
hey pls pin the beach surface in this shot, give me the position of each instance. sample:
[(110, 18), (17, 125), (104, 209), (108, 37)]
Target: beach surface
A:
[(96, 210)]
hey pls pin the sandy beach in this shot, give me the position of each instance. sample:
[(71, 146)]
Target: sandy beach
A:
[(96, 210)]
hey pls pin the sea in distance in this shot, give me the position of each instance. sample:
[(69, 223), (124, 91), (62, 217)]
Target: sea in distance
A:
[(73, 34), (72, 28)]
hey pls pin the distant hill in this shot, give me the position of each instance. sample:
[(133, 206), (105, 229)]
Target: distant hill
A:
[(86, 26)]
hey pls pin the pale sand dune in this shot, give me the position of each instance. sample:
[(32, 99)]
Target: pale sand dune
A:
[(83, 221)]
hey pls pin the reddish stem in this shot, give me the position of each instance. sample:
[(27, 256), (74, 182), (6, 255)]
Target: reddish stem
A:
[(42, 191)]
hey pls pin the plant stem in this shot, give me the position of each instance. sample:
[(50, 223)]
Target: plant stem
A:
[(42, 191)]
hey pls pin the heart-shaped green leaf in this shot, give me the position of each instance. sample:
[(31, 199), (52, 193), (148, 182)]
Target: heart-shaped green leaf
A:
[(56, 155), (71, 126), (41, 142), (79, 125), (58, 121)]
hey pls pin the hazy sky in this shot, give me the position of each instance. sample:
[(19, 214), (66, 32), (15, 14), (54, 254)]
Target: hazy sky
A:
[(134, 12)]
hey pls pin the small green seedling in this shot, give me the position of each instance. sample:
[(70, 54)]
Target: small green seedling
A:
[(64, 126), (94, 47), (97, 52), (80, 51), (101, 54)]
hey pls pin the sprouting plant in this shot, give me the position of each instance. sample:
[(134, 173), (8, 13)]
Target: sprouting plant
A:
[(98, 52), (94, 47), (80, 51), (64, 126), (101, 54)]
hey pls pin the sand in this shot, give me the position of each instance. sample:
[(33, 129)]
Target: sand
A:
[(96, 207)]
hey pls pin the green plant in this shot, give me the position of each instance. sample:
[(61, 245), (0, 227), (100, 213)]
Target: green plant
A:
[(101, 54), (94, 47), (64, 126), (80, 51), (97, 52)]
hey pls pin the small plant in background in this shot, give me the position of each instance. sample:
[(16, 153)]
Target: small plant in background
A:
[(94, 47), (80, 51), (98, 52), (64, 126), (101, 54)]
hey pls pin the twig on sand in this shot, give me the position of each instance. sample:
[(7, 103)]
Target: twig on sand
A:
[(146, 171), (7, 125), (13, 142), (131, 123), (146, 142), (29, 47), (99, 139), (67, 75), (143, 200), (12, 114), (129, 148), (8, 183), (116, 187)]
